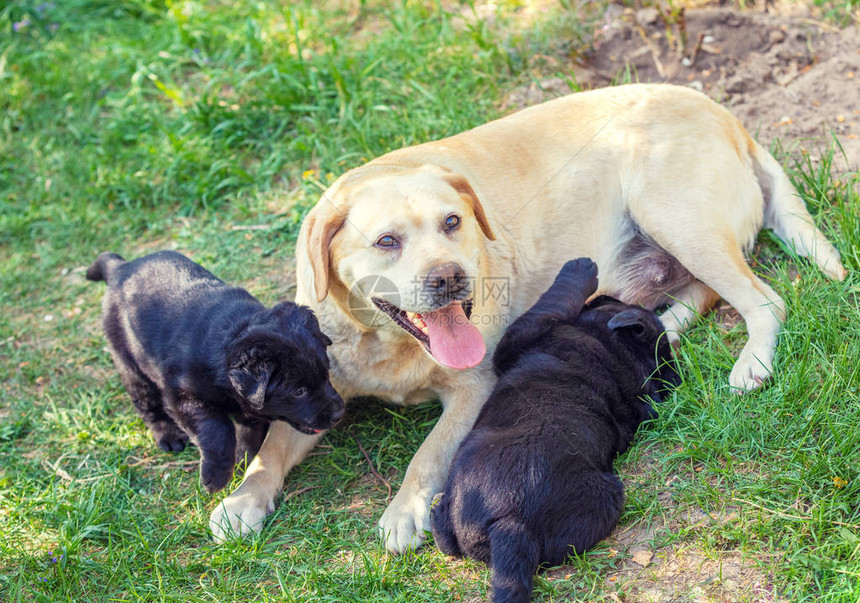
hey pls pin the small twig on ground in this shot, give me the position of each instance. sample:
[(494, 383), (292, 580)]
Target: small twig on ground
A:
[(820, 24), (295, 493), (376, 473), (655, 52), (57, 470), (147, 461), (797, 517), (695, 54), (682, 31)]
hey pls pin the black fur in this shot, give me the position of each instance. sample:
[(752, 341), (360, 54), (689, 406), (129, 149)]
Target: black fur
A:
[(193, 352), (533, 481)]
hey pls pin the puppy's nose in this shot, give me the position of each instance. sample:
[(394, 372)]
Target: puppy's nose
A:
[(445, 280)]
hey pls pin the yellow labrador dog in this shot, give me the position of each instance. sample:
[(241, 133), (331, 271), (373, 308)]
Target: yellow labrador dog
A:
[(416, 261)]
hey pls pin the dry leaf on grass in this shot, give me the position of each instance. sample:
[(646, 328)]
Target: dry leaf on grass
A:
[(643, 558)]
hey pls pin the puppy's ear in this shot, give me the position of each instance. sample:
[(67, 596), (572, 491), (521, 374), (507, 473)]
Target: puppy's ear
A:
[(304, 318), (250, 381), (462, 186), (632, 321), (321, 224)]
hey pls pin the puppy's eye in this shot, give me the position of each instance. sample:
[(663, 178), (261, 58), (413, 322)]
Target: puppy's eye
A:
[(387, 242), (299, 393), (451, 223)]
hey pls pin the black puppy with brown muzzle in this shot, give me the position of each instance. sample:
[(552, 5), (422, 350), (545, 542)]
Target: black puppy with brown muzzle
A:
[(533, 481), (193, 352)]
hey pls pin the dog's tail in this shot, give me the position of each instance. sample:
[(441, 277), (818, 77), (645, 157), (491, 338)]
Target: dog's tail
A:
[(787, 216), (514, 559), (103, 267)]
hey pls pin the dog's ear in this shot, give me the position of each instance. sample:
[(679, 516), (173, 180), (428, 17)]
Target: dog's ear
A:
[(250, 380), (322, 223), (632, 321), (462, 186), (304, 318)]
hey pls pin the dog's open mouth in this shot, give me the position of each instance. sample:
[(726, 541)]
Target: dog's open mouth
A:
[(446, 333), (303, 427)]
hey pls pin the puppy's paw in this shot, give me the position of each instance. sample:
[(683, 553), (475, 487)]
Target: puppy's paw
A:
[(575, 283), (239, 514), (405, 521), (169, 437), (214, 476), (583, 270), (750, 371)]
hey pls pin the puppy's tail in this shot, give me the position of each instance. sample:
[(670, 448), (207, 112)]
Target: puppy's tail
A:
[(103, 267), (787, 216), (514, 559)]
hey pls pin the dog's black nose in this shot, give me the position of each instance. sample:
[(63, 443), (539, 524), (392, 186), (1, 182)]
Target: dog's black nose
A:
[(445, 281)]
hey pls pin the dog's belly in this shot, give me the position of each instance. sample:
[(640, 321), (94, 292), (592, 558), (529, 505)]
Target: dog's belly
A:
[(645, 274)]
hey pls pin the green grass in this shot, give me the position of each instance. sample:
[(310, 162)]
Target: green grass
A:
[(211, 127)]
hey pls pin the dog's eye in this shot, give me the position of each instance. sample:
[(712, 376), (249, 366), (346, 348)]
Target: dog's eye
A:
[(299, 393), (451, 223), (387, 242)]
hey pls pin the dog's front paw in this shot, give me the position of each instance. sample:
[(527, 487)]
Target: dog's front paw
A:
[(750, 371), (169, 437), (583, 270), (214, 476), (239, 514), (405, 521), (578, 277)]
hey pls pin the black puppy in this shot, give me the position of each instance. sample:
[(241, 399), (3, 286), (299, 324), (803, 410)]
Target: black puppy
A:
[(533, 480), (193, 352)]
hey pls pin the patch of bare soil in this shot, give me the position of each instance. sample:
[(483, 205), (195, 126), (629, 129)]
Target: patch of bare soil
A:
[(785, 76), (685, 570)]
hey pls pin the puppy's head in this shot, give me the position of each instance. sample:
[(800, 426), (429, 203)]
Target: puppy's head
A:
[(279, 370), (399, 250), (638, 334)]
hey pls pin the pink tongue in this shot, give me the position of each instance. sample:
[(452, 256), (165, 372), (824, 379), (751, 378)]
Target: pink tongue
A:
[(454, 341)]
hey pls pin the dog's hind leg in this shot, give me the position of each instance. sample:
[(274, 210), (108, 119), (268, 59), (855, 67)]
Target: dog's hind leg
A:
[(689, 304), (514, 559), (147, 400), (714, 257), (592, 506), (443, 527)]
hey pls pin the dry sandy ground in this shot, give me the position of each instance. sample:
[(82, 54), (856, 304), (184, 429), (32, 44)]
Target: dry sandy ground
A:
[(785, 76)]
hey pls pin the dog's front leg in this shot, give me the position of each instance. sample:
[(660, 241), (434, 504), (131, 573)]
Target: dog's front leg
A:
[(245, 509), (250, 434), (562, 302), (215, 435), (407, 518)]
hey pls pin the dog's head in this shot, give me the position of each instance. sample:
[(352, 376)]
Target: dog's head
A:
[(638, 334), (399, 251), (279, 369)]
